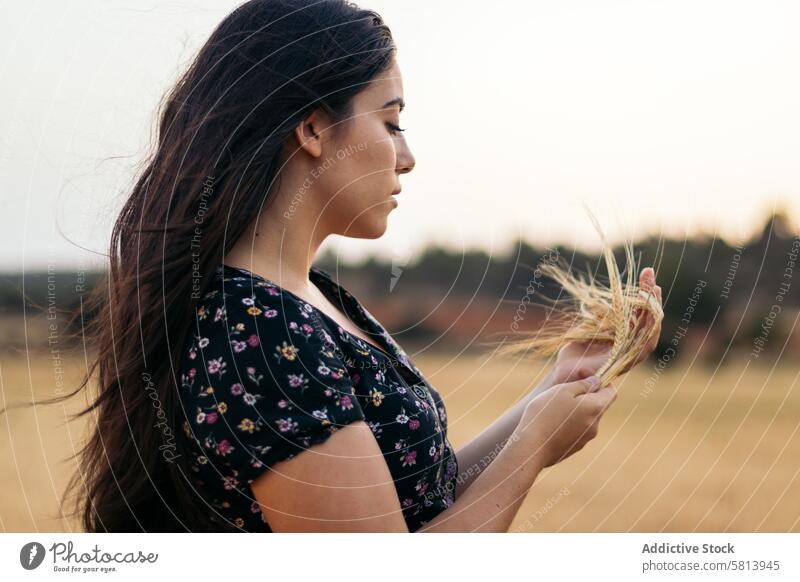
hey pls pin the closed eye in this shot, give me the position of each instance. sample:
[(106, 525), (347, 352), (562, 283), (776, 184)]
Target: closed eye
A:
[(394, 129)]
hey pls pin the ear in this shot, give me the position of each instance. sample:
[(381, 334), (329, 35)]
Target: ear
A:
[(308, 134)]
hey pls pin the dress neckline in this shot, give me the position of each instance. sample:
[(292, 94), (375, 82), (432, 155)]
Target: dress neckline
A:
[(317, 275)]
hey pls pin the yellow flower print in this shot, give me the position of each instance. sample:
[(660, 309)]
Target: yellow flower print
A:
[(286, 351), (247, 425), (222, 407), (209, 389), (377, 396), (239, 327), (239, 522), (253, 310)]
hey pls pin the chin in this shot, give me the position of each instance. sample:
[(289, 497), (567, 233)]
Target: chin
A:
[(372, 230)]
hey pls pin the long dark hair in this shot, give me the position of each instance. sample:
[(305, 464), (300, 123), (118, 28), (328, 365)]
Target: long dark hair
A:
[(216, 159)]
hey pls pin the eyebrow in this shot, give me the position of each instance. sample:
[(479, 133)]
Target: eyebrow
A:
[(396, 101)]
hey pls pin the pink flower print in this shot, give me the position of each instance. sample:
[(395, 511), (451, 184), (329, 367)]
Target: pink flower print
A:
[(211, 417), (286, 425), (283, 403), (293, 325), (250, 370), (202, 342), (237, 389), (421, 488), (248, 301), (324, 370), (356, 378), (273, 291), (407, 502), (307, 328), (201, 417), (413, 424), (270, 313), (249, 399), (224, 447), (192, 354), (219, 314), (336, 374), (215, 365), (238, 346), (402, 418), (230, 483), (297, 380), (253, 341), (346, 403), (192, 373), (410, 458)]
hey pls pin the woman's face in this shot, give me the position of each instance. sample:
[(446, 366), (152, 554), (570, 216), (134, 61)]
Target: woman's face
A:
[(362, 159)]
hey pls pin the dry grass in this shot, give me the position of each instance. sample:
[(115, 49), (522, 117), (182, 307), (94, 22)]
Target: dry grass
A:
[(688, 449), (699, 450)]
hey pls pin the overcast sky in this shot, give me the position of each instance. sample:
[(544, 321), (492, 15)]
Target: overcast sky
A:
[(663, 116)]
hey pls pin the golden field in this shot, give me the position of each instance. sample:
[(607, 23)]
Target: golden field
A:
[(700, 450)]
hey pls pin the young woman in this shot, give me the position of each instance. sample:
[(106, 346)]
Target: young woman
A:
[(242, 388)]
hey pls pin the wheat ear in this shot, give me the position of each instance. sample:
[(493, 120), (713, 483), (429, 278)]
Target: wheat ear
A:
[(593, 312)]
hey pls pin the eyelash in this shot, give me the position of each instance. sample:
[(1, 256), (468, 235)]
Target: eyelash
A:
[(395, 129)]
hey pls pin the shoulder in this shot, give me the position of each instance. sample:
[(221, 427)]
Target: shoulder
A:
[(262, 381), (237, 297), (257, 317)]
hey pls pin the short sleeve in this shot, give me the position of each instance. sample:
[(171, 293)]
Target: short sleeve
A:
[(273, 382)]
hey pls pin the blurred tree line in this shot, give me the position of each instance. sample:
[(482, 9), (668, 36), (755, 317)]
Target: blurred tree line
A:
[(730, 288)]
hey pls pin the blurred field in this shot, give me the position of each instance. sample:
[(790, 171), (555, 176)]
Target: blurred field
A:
[(704, 451)]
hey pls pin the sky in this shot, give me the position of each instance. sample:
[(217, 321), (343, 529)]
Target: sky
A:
[(664, 117)]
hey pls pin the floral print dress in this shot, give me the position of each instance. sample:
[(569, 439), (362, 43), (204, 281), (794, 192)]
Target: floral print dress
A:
[(265, 375)]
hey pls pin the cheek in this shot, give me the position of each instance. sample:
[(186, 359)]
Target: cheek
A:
[(368, 174)]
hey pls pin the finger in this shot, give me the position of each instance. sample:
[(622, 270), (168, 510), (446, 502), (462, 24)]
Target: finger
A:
[(584, 386), (647, 278), (603, 398), (584, 372)]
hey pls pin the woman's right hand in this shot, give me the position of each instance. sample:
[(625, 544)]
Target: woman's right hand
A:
[(561, 420)]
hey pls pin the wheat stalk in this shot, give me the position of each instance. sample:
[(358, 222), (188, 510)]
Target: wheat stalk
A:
[(594, 312)]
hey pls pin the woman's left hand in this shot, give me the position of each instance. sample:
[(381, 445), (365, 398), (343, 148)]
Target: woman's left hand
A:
[(578, 360)]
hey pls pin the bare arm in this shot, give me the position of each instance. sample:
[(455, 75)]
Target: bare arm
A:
[(574, 362), (344, 483), (476, 455)]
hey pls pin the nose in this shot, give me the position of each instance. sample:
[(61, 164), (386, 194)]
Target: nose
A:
[(405, 160)]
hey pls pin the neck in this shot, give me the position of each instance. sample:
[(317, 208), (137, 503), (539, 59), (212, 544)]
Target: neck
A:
[(282, 242)]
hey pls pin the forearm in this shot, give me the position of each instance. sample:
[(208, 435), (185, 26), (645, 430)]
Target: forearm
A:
[(493, 499), (476, 455)]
